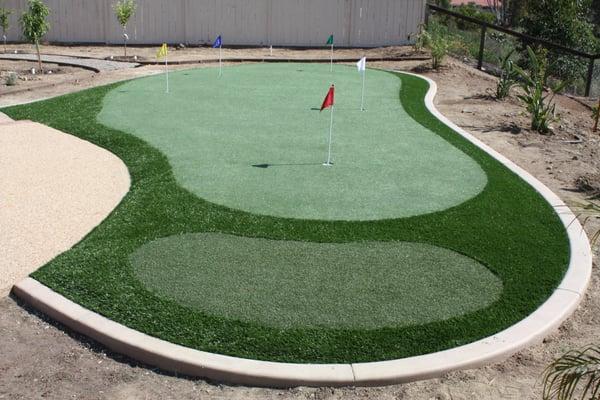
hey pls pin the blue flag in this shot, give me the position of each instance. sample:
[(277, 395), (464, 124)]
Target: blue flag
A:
[(218, 42)]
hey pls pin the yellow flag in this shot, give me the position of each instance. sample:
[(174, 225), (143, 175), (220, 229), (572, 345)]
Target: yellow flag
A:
[(162, 52)]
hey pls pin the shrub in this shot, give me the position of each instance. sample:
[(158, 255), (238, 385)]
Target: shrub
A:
[(11, 79), (436, 40), (538, 103), (471, 10), (563, 22)]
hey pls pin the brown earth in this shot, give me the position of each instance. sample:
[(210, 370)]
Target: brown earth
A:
[(39, 359), (148, 53)]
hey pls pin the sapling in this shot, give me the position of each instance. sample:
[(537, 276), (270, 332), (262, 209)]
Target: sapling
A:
[(124, 10), (35, 25), (4, 23)]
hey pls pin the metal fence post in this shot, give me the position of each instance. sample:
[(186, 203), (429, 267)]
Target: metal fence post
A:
[(481, 47), (590, 77)]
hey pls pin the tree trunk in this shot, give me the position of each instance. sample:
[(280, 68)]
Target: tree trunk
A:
[(125, 40), (39, 57)]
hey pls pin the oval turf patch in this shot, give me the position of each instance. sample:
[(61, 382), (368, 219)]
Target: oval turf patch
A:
[(287, 284), (254, 140)]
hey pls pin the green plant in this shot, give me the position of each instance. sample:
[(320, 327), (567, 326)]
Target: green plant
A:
[(508, 76), (124, 10), (471, 10), (563, 377), (564, 22), (35, 26), (11, 79), (436, 40), (421, 38), (538, 102), (4, 23)]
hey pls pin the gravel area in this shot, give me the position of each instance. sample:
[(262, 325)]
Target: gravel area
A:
[(55, 189)]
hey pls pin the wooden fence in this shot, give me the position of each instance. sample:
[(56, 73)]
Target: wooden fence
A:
[(355, 23)]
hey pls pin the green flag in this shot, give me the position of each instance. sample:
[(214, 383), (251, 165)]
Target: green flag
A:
[(330, 40)]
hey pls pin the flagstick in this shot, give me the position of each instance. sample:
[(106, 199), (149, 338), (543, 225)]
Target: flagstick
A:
[(362, 97), (328, 163), (220, 61), (331, 69), (167, 71)]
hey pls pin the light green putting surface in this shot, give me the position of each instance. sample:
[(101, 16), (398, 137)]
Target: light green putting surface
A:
[(254, 140), (289, 284)]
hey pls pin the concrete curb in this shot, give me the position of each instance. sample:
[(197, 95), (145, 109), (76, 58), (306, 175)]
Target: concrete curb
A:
[(180, 359)]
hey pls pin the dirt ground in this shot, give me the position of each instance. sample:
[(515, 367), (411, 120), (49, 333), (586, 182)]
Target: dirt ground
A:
[(196, 53), (39, 359), (29, 78)]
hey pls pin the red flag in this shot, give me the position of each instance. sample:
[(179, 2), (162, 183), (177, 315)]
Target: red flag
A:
[(328, 102)]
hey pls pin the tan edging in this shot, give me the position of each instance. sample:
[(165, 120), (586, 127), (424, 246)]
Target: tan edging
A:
[(180, 359)]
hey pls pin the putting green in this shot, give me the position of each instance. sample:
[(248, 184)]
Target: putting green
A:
[(288, 284), (255, 140)]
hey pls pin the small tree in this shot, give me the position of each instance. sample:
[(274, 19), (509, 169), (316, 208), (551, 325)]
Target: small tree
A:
[(4, 23), (124, 10), (35, 26), (539, 103)]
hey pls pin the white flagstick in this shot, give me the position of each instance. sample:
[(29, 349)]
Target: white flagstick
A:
[(220, 60), (167, 70), (328, 163), (331, 69), (362, 97)]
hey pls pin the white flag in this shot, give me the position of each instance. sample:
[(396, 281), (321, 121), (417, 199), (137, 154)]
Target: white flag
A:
[(362, 64)]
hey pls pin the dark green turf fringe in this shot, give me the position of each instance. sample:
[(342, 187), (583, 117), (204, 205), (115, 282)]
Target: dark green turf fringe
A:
[(508, 227)]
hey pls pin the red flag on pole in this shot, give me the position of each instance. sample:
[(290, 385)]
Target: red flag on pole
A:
[(329, 99)]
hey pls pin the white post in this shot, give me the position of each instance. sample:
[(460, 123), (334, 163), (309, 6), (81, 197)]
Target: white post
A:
[(331, 68), (220, 61), (362, 97), (167, 71), (328, 163)]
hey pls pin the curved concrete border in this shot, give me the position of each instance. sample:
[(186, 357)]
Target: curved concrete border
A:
[(180, 359)]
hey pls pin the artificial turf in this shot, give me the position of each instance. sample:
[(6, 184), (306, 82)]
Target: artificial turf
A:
[(289, 284), (255, 141), (508, 227)]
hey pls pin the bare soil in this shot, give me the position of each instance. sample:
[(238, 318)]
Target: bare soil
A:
[(39, 359), (204, 52), (29, 76)]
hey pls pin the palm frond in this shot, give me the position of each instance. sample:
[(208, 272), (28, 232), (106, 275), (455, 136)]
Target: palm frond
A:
[(577, 371)]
